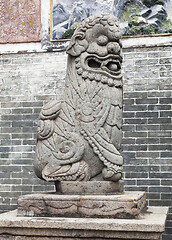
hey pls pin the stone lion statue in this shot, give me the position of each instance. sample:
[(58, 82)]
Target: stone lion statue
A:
[(79, 138)]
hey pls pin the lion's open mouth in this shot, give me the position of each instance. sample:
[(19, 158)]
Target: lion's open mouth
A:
[(106, 70), (111, 65)]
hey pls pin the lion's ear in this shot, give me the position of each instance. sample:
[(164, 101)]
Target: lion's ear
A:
[(77, 45)]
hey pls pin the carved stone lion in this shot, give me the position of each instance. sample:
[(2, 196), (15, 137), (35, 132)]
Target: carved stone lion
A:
[(79, 138)]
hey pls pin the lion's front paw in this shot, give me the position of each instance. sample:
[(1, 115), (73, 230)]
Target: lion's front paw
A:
[(110, 175)]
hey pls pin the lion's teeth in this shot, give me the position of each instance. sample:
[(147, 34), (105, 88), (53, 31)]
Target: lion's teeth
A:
[(104, 79), (85, 74)]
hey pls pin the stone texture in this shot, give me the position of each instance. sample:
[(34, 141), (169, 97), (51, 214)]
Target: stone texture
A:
[(126, 205), (149, 226), (20, 21), (79, 138)]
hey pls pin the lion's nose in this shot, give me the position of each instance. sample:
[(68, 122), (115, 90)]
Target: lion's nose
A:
[(113, 48)]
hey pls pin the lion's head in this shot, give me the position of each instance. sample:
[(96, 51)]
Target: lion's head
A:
[(97, 47)]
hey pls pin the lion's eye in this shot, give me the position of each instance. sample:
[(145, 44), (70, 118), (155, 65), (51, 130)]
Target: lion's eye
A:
[(102, 40)]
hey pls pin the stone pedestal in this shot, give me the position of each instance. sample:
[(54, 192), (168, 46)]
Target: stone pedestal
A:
[(121, 205), (148, 226)]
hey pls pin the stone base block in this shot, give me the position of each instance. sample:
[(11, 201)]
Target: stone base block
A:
[(89, 187), (149, 225), (125, 205)]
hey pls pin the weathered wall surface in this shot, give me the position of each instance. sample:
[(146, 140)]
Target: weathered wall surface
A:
[(20, 21), (28, 81)]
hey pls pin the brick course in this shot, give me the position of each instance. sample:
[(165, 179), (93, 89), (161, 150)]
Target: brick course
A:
[(28, 81)]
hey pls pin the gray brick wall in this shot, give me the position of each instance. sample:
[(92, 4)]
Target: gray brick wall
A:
[(28, 81), (147, 129)]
